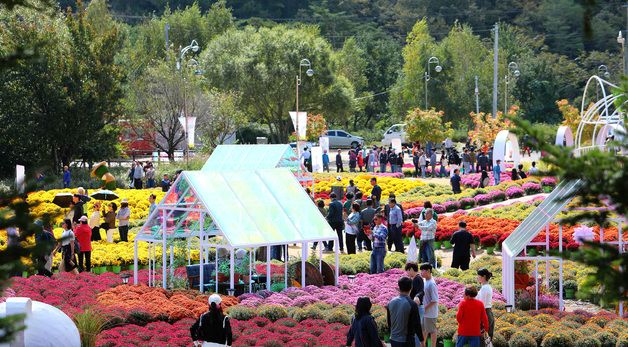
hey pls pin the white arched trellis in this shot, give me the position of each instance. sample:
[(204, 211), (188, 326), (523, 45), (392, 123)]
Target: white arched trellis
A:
[(506, 148), (602, 116), (564, 136)]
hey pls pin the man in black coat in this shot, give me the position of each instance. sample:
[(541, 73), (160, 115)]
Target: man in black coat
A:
[(334, 218)]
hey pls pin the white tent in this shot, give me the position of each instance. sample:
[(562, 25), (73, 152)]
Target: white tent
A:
[(236, 210)]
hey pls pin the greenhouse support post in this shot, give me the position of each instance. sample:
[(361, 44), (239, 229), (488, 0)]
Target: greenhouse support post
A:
[(135, 261), (268, 267), (303, 260), (231, 269)]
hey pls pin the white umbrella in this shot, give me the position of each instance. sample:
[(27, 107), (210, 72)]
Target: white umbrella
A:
[(412, 251)]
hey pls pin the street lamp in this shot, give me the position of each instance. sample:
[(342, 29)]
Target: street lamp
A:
[(438, 68), (513, 69), (621, 40), (193, 46), (603, 70), (309, 72)]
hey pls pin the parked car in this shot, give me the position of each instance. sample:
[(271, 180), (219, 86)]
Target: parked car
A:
[(395, 131), (342, 139)]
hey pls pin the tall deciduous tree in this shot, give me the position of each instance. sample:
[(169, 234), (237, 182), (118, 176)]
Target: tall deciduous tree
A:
[(261, 65), (219, 117), (485, 127)]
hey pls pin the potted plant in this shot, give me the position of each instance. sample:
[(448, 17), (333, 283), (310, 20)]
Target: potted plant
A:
[(570, 287), (242, 269), (446, 332), (489, 242), (437, 240), (532, 252), (223, 270)]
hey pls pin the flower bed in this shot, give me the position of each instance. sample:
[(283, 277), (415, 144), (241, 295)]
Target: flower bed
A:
[(138, 202), (158, 303), (389, 183), (381, 288)]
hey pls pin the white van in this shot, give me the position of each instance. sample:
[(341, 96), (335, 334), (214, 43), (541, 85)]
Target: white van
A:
[(395, 131)]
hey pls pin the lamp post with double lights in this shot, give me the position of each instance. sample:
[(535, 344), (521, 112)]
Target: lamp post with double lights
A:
[(438, 68), (309, 72), (513, 70), (193, 46)]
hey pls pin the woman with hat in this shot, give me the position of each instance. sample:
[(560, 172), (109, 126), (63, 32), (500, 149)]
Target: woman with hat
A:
[(94, 221), (213, 327), (124, 214)]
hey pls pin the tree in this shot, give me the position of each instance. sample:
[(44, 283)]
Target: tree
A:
[(219, 117), (316, 126), (160, 97), (350, 62), (485, 127), (427, 126), (261, 65)]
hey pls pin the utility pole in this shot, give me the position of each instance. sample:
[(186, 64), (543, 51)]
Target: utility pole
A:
[(495, 69), (477, 96)]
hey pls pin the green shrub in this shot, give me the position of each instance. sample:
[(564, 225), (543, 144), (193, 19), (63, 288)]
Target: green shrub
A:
[(507, 332), (272, 312), (447, 330), (600, 320), (277, 287), (571, 324), (362, 267), (295, 311), (576, 318), (310, 312), (499, 340), (588, 341), (509, 317), (346, 268), (617, 326), (607, 339), (338, 316), (321, 306), (521, 321), (545, 318), (538, 334), (590, 329), (89, 324), (382, 326), (521, 339), (557, 339), (622, 341), (241, 312)]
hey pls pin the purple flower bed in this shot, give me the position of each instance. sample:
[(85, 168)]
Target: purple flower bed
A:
[(532, 188), (514, 192), (452, 206), (388, 174), (497, 195), (483, 199), (381, 288), (473, 180), (439, 208), (414, 212), (548, 181), (466, 203)]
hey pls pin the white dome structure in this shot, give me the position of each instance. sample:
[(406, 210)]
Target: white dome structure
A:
[(45, 325)]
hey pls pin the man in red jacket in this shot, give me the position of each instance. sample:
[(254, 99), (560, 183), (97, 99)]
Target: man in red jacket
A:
[(471, 317)]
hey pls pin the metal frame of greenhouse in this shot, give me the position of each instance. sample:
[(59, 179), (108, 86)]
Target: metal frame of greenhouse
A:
[(216, 208), (605, 119)]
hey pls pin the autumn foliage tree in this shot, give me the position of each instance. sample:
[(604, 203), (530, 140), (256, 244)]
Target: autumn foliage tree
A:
[(485, 127), (427, 126), (316, 126)]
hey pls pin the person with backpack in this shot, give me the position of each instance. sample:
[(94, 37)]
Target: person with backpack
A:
[(383, 160), (83, 234), (213, 328), (46, 240), (403, 317)]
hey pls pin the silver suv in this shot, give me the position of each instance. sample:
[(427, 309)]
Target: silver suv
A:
[(342, 139)]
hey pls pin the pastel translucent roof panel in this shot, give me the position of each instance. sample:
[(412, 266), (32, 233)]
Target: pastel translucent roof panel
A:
[(543, 214), (256, 208), (248, 157)]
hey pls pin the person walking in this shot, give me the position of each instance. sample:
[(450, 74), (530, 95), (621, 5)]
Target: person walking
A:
[(400, 162), (306, 159), (430, 302), (497, 171), (372, 161), (443, 164), (383, 160), (471, 318), (428, 232), (320, 204), (360, 160), (402, 314), (363, 328), (433, 163), (376, 192), (352, 227), (212, 328), (485, 295), (123, 216), (78, 208), (490, 158), (415, 161), (138, 174), (423, 163), (455, 182), (68, 250), (417, 292), (67, 177), (150, 175), (463, 243), (352, 160), (483, 161), (94, 221), (367, 216), (165, 184), (46, 240), (110, 221), (351, 188), (83, 234), (339, 162), (334, 218), (325, 161), (378, 236), (466, 162), (392, 160), (395, 221)]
